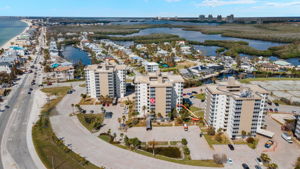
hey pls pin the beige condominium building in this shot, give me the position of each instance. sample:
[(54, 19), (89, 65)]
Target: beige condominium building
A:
[(235, 107), (158, 92), (106, 79)]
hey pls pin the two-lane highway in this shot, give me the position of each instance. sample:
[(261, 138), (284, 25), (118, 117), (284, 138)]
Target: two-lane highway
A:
[(13, 125)]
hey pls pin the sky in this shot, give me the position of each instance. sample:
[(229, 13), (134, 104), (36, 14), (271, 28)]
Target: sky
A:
[(149, 8)]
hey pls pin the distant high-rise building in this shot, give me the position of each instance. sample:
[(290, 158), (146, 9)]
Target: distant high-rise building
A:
[(210, 17), (219, 18), (202, 17), (230, 18)]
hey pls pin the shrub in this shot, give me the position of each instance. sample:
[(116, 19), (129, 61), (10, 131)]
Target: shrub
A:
[(220, 159), (219, 138), (184, 141), (186, 151), (211, 131), (250, 140)]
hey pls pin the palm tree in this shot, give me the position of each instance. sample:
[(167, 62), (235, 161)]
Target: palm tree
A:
[(153, 144), (72, 107), (265, 158), (272, 166)]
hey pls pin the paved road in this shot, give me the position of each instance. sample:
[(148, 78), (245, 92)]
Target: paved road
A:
[(15, 151), (15, 142)]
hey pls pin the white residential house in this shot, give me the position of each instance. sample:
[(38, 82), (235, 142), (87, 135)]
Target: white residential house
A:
[(151, 66), (64, 73), (5, 67)]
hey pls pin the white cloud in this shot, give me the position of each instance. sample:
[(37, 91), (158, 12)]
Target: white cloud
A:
[(214, 3), (283, 4)]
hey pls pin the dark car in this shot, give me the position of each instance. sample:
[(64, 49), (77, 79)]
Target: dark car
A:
[(29, 92), (276, 104), (231, 147), (257, 167), (276, 110), (194, 92), (31, 89), (245, 166), (7, 107)]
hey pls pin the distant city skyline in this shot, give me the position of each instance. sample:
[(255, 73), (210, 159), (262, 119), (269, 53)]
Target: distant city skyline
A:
[(150, 8)]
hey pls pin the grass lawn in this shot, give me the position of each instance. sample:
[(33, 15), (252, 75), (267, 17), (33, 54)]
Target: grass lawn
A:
[(184, 64), (266, 79), (91, 121), (211, 140), (203, 163), (253, 146), (87, 101), (106, 138), (198, 112), (82, 85), (52, 152), (200, 96)]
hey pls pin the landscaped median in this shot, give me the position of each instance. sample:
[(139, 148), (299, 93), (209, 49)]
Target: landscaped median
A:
[(135, 145), (51, 150), (92, 122)]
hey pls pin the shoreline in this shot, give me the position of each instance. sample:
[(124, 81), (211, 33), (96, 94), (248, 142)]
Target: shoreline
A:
[(8, 43)]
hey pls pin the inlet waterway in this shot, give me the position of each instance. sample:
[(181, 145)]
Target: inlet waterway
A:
[(200, 37), (76, 55)]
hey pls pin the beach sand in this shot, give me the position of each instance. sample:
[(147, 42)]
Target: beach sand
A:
[(8, 43)]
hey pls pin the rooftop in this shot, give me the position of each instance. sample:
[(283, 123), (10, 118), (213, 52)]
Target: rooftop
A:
[(237, 90), (158, 79)]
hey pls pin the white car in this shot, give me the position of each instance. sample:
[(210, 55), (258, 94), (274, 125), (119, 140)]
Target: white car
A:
[(259, 161), (229, 161)]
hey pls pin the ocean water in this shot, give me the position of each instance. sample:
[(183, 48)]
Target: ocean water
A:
[(9, 28)]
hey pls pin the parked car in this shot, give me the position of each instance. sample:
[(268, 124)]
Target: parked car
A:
[(192, 97), (276, 104), (184, 94), (269, 143), (287, 137), (231, 147), (194, 92), (7, 106), (271, 110), (229, 161), (189, 94), (257, 167), (276, 110), (29, 92), (185, 127), (245, 166), (259, 161)]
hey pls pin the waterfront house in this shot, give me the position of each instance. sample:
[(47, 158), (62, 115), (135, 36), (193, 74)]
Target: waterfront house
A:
[(64, 73), (151, 66), (5, 67)]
